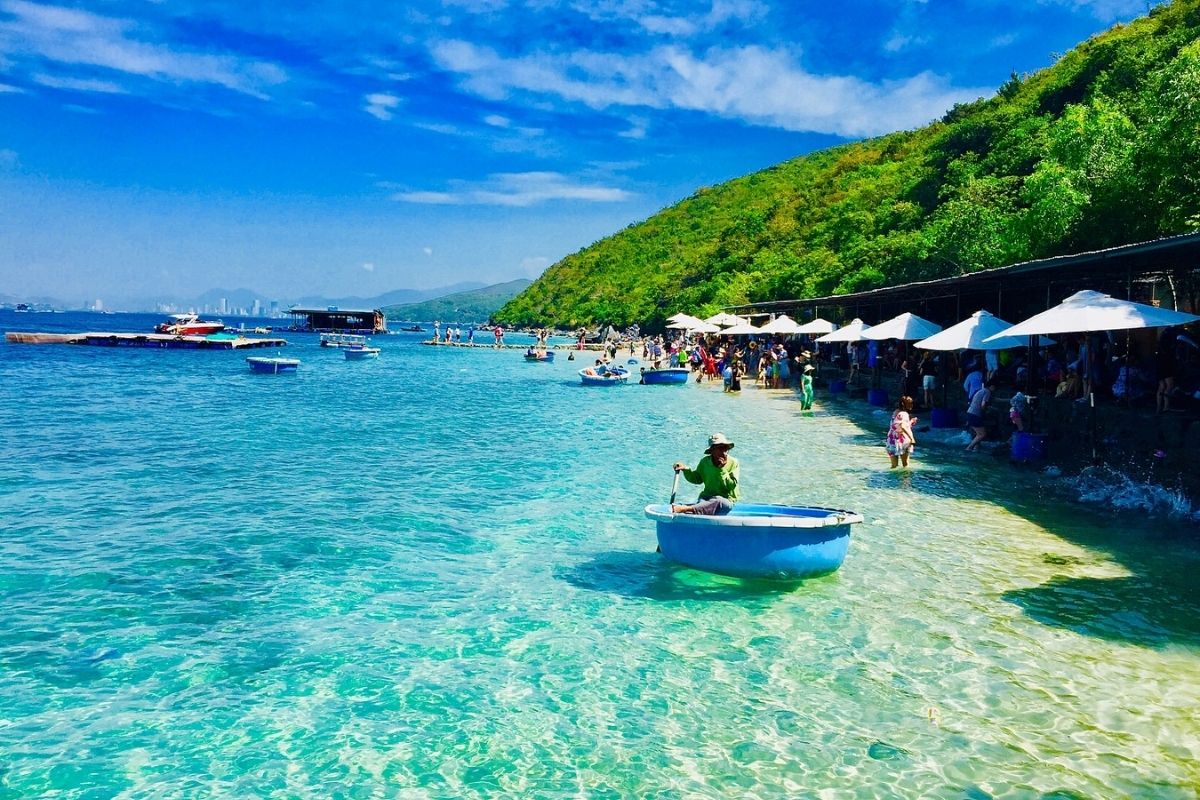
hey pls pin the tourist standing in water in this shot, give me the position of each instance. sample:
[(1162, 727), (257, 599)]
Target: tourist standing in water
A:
[(806, 388), (900, 439), (718, 472), (975, 411)]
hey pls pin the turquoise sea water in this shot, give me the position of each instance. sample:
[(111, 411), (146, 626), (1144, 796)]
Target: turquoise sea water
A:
[(429, 576)]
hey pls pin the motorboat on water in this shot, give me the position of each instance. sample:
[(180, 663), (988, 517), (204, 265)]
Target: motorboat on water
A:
[(189, 325), (360, 352), (764, 541), (603, 375), (343, 340), (660, 375), (272, 364)]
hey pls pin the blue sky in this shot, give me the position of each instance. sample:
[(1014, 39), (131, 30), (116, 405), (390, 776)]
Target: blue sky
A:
[(352, 148)]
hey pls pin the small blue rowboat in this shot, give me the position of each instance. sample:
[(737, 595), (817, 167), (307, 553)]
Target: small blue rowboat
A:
[(770, 542), (534, 355), (665, 375), (603, 376), (266, 364)]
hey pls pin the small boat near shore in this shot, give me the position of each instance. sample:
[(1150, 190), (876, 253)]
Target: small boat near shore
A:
[(539, 355), (765, 541), (360, 352), (664, 375), (603, 376), (272, 365)]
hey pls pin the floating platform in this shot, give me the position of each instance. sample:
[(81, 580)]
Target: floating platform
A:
[(152, 340)]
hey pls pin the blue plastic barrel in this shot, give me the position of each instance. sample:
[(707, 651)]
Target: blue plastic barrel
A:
[(877, 397), (837, 387), (944, 418), (1028, 446)]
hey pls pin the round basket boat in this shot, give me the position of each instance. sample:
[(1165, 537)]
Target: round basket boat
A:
[(665, 375), (603, 376), (772, 542)]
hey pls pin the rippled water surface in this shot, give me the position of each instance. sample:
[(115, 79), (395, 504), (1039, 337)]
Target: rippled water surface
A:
[(429, 576)]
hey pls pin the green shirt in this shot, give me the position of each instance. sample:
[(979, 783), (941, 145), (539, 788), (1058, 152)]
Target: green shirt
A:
[(718, 481)]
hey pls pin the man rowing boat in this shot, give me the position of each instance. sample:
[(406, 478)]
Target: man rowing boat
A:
[(718, 472)]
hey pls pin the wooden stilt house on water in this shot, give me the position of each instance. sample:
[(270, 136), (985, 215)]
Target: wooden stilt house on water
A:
[(338, 320)]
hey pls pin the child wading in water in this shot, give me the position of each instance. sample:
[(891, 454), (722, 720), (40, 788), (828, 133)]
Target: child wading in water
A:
[(900, 439)]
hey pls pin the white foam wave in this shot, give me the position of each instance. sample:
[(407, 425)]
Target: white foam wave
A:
[(1110, 487)]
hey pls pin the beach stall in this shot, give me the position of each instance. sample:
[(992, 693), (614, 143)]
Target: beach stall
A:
[(1092, 312), (905, 328)]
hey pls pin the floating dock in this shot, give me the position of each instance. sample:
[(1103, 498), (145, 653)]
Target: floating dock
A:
[(152, 340)]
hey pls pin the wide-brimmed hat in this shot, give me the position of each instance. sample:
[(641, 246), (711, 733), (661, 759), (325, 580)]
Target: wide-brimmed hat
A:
[(809, 368), (806, 354), (718, 440)]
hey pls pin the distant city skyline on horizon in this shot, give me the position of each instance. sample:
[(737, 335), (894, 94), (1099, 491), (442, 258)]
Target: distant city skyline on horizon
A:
[(159, 150)]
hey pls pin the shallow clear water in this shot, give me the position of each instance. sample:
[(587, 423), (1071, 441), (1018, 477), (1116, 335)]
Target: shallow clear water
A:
[(429, 576)]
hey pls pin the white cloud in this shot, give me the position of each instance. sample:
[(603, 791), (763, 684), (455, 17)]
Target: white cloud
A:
[(381, 106), (4, 87), (369, 267), (9, 159), (80, 84), (427, 251), (753, 84), (497, 121), (533, 266), (518, 189), (636, 130), (439, 127), (68, 36)]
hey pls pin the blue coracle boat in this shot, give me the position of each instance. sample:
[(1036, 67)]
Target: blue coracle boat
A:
[(665, 375), (534, 355), (772, 542), (272, 365), (603, 376)]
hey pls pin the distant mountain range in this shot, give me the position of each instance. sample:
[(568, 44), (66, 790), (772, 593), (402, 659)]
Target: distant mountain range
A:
[(244, 298), (475, 305)]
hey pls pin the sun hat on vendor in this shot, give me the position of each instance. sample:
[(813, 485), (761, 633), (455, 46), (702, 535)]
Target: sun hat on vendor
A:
[(809, 368), (718, 440)]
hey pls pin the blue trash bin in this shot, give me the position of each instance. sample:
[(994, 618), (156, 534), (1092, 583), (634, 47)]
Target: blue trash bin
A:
[(1028, 446)]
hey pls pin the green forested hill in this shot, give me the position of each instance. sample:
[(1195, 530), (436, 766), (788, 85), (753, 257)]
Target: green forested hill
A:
[(1102, 148), (473, 306)]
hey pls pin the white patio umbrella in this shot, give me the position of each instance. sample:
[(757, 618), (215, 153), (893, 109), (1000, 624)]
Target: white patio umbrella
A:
[(781, 324), (905, 327), (684, 321), (742, 329), (679, 316), (817, 327), (1093, 311), (971, 333), (725, 319), (849, 333), (700, 326)]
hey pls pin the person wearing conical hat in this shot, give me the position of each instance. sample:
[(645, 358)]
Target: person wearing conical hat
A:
[(717, 472), (806, 388)]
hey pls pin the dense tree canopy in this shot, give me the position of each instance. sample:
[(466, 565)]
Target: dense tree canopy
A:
[(1101, 149)]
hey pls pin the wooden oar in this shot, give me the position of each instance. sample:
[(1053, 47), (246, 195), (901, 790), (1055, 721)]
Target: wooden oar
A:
[(674, 487)]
